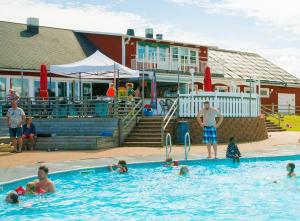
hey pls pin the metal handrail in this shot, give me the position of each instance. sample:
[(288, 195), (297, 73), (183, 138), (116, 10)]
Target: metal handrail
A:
[(133, 117), (168, 145), (135, 107), (172, 109), (186, 152)]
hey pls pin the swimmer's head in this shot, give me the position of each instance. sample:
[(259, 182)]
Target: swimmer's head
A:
[(290, 167), (43, 172), (184, 170), (122, 163), (12, 197)]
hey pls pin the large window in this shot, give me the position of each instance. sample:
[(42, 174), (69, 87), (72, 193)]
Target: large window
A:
[(141, 51), (152, 54), (22, 87), (62, 89), (51, 90), (193, 57), (2, 88), (73, 89), (175, 54), (184, 54), (163, 54), (87, 89)]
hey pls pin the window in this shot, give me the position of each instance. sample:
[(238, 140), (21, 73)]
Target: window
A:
[(87, 90), (265, 92), (62, 89), (73, 89), (193, 57), (163, 54), (184, 54), (2, 88), (247, 90), (141, 52), (221, 88), (175, 54), (21, 87), (51, 91), (152, 54)]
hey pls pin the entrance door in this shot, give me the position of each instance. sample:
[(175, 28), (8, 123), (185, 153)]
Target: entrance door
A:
[(286, 103)]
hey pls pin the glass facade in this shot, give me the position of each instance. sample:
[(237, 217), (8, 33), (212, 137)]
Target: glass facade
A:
[(141, 51), (51, 90), (21, 87), (152, 54), (62, 89), (87, 89), (73, 89), (2, 88)]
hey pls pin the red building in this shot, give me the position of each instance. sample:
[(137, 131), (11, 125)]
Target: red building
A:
[(232, 71)]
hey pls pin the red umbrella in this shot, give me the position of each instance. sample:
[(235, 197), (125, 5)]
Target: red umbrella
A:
[(43, 82), (207, 80)]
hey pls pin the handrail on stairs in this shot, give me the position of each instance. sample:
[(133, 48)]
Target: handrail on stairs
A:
[(187, 137), (265, 110), (168, 145), (130, 114)]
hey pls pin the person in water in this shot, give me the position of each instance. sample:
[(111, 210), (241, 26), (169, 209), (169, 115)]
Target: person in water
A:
[(170, 162), (233, 151), (184, 170), (290, 167), (121, 167), (43, 184), (12, 197)]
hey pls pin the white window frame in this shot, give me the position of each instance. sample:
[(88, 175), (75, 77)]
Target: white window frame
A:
[(221, 87), (265, 89)]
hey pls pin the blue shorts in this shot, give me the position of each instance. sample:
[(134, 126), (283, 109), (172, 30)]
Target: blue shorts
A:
[(209, 135), (15, 132)]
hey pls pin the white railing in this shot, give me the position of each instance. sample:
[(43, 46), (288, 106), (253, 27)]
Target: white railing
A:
[(229, 104)]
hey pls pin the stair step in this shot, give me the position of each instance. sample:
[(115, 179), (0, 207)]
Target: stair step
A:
[(140, 133), (136, 139), (142, 144)]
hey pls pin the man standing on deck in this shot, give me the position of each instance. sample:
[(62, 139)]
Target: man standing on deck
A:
[(15, 118), (209, 126)]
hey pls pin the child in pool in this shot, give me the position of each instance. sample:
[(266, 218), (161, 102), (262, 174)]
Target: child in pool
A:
[(12, 197), (233, 151), (184, 170), (121, 167), (290, 167), (170, 162)]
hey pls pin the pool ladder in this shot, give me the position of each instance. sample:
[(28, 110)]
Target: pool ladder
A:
[(187, 143), (168, 145), (187, 140)]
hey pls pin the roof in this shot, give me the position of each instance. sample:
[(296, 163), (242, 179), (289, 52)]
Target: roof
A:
[(145, 39), (244, 65), (23, 50)]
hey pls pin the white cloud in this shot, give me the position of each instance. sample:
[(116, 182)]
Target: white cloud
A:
[(105, 19)]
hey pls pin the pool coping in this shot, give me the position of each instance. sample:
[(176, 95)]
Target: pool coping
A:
[(136, 163)]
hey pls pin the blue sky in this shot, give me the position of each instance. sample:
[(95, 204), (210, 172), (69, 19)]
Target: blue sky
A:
[(270, 28)]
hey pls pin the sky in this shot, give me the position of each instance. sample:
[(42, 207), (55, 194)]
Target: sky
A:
[(270, 28)]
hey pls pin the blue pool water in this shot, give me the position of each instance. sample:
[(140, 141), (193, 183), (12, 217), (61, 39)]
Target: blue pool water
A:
[(214, 190)]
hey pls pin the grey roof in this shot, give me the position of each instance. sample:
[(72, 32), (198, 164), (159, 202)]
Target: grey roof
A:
[(20, 49), (244, 65)]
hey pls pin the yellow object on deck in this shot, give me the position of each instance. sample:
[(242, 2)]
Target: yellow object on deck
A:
[(6, 147)]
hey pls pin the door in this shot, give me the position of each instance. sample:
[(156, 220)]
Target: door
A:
[(286, 103)]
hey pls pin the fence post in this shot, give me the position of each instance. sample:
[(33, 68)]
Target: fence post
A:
[(272, 108), (289, 109)]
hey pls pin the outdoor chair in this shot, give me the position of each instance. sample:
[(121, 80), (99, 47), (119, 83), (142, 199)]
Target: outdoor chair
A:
[(164, 107)]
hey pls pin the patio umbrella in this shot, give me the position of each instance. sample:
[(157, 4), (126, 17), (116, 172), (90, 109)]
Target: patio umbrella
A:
[(207, 80), (43, 82)]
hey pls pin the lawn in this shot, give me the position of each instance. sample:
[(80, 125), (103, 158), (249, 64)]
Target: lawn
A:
[(288, 122)]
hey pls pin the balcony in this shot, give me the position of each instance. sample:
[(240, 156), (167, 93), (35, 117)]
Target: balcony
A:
[(172, 65)]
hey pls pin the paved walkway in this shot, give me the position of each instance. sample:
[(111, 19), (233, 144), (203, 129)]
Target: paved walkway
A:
[(14, 166)]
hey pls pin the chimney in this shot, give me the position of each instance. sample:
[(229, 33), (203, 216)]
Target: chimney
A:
[(149, 32), (33, 25), (159, 36), (130, 32)]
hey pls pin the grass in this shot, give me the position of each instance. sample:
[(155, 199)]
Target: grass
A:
[(288, 122)]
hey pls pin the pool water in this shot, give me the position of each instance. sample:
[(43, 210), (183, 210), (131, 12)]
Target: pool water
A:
[(214, 190)]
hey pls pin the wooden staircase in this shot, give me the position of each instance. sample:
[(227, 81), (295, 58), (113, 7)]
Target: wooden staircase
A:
[(271, 127), (147, 133)]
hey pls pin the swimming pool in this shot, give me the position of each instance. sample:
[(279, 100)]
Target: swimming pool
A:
[(214, 190)]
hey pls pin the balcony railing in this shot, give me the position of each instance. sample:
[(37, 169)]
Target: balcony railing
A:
[(171, 64)]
